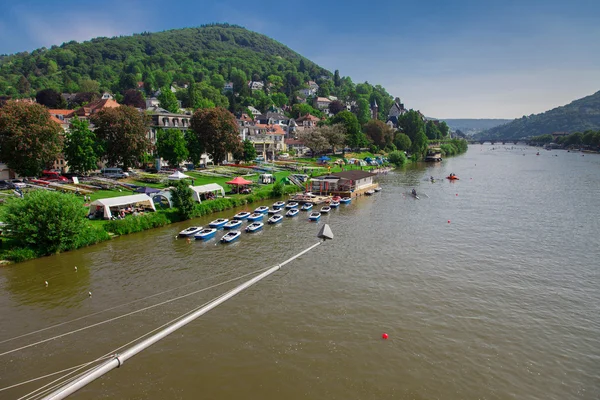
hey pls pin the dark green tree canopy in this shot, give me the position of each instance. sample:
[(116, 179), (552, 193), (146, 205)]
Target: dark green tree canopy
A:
[(216, 132), (171, 146), (81, 150)]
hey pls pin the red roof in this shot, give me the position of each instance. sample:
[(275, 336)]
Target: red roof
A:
[(58, 121), (307, 117), (66, 113), (271, 129)]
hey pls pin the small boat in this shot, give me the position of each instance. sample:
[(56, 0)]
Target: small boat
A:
[(336, 198), (254, 227), (218, 223), (241, 215), (307, 206), (345, 200), (334, 204), (231, 236), (452, 177), (537, 154), (273, 211), (191, 231), (279, 204), (275, 219), (325, 209), (234, 223), (292, 213), (206, 234), (378, 189), (370, 192), (315, 216), (256, 216), (291, 204), (261, 209)]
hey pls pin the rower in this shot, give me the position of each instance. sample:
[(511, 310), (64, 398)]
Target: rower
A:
[(414, 192)]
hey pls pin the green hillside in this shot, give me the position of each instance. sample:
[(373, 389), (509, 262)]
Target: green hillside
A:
[(579, 116), (471, 126)]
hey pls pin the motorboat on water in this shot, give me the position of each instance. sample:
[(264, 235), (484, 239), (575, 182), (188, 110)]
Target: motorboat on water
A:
[(279, 204), (218, 223), (378, 189), (345, 200), (325, 209), (292, 213), (275, 219), (254, 227), (291, 204), (257, 216), (336, 198), (314, 216), (205, 234), (231, 236), (234, 223), (191, 231), (334, 204), (273, 211), (307, 206), (261, 209), (452, 177), (370, 192), (241, 215)]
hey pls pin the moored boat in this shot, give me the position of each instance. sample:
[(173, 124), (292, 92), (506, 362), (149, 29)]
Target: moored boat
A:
[(307, 206), (292, 213), (275, 219), (256, 216), (278, 204), (206, 234), (218, 223), (370, 192), (234, 223), (241, 215), (291, 204), (273, 211), (231, 236), (191, 231), (378, 189), (261, 209), (325, 209), (336, 198), (334, 204), (314, 216), (345, 200), (254, 227)]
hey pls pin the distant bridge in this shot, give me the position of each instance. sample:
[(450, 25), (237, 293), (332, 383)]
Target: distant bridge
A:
[(494, 141)]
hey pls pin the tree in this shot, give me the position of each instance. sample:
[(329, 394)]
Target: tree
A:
[(363, 112), (279, 99), (336, 78), (336, 106), (314, 140), (48, 221), (419, 144), (29, 139), (121, 133), (50, 98), (216, 132), (402, 142), (217, 81), (248, 151), (275, 81), (84, 98), (444, 129), (181, 197), (379, 132), (431, 130), (89, 85), (171, 146), (23, 85), (192, 95), (168, 100), (398, 158), (334, 134), (411, 123), (80, 149), (303, 109), (134, 98), (194, 147), (354, 136)]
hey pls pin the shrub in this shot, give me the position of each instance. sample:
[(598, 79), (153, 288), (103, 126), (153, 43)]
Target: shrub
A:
[(20, 254), (139, 223), (398, 158), (277, 190), (181, 196), (46, 221)]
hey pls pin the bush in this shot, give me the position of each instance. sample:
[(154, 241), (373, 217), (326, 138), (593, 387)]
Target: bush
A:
[(45, 221), (277, 190), (140, 223), (182, 199), (398, 158), (20, 254)]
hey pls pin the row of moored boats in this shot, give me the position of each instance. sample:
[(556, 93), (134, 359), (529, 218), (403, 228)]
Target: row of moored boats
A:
[(255, 219)]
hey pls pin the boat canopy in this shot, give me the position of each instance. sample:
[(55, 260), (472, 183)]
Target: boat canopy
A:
[(121, 202), (211, 187)]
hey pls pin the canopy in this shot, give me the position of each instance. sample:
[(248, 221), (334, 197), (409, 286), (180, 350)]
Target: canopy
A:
[(147, 190), (211, 187), (178, 176), (368, 159), (324, 158), (133, 200), (239, 181)]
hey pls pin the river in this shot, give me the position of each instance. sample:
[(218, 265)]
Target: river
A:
[(488, 287)]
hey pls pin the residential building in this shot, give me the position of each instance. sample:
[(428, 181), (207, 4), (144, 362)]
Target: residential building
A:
[(273, 118), (163, 119), (396, 111), (61, 117), (95, 107), (228, 87), (307, 121), (307, 92), (152, 102), (346, 183), (256, 85), (297, 145), (107, 96), (268, 140), (321, 103), (255, 112)]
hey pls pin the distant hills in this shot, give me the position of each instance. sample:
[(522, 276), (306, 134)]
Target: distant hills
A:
[(473, 126), (578, 116)]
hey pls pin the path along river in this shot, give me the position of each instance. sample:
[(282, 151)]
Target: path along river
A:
[(502, 302)]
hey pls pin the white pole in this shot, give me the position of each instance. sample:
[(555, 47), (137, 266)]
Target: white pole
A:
[(119, 359)]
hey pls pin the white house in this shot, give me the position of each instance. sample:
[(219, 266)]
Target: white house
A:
[(228, 86), (256, 85), (321, 103)]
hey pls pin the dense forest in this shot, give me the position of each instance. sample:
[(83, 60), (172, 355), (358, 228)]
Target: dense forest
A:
[(204, 58), (578, 116)]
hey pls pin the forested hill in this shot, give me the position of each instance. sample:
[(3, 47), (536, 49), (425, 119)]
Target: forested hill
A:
[(156, 59), (579, 116), (473, 126)]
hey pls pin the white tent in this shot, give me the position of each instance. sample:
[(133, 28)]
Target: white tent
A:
[(121, 202), (211, 187), (177, 176)]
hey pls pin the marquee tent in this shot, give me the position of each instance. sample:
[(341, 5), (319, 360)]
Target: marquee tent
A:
[(210, 188), (136, 200), (177, 176), (239, 181)]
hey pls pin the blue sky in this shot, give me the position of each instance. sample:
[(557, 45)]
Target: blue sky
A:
[(450, 59)]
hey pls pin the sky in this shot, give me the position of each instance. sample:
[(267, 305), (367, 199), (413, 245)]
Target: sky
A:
[(449, 59)]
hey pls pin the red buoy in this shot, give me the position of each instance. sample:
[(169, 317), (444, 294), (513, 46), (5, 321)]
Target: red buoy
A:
[(448, 221), (384, 336), (457, 194)]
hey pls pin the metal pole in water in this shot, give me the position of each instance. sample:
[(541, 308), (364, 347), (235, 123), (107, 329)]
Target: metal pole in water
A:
[(70, 388)]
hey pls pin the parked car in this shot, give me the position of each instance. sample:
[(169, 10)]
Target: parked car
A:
[(53, 176), (18, 183), (114, 173), (5, 185)]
